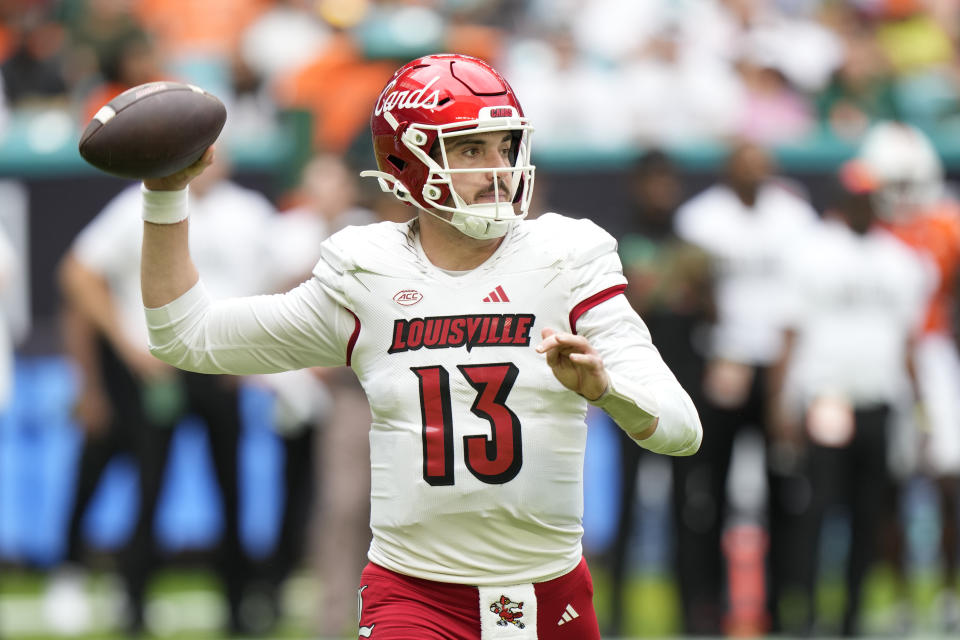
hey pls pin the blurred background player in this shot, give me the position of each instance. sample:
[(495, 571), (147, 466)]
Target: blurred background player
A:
[(915, 205), (110, 52), (857, 298), (670, 284), (327, 200), (745, 222), (130, 401)]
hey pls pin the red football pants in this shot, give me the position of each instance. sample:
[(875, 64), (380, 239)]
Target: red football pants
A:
[(398, 607)]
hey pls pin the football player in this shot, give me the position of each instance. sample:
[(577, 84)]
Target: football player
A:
[(746, 221), (855, 297), (916, 206), (479, 338)]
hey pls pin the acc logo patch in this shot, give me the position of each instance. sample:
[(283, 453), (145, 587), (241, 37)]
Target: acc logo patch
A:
[(408, 297), (510, 612)]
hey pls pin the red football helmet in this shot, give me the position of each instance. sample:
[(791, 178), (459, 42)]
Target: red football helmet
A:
[(430, 100)]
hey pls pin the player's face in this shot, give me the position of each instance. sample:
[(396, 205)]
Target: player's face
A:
[(489, 150)]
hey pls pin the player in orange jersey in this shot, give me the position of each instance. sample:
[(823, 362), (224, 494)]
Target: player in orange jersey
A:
[(917, 209)]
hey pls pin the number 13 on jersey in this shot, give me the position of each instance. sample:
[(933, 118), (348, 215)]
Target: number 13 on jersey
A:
[(495, 459)]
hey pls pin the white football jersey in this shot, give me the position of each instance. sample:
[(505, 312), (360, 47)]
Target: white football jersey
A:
[(476, 449), (854, 301), (748, 244)]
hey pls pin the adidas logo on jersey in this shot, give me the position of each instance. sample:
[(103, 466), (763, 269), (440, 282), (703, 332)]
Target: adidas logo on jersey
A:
[(568, 615), (497, 295)]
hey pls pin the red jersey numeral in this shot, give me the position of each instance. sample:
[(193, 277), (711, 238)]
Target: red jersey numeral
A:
[(437, 425), (494, 459)]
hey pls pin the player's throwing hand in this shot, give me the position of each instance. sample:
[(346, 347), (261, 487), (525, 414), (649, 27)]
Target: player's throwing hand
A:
[(575, 363), (183, 177)]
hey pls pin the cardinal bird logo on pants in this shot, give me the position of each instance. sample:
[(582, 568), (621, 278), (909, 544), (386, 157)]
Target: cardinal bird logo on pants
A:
[(509, 612)]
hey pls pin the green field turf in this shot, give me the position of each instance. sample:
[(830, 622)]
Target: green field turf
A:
[(186, 604)]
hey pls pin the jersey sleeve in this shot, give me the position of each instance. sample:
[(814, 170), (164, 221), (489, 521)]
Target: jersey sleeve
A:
[(593, 263), (307, 326), (333, 265), (641, 384)]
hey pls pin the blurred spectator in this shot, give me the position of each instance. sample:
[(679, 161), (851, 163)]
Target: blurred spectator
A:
[(671, 280), (398, 29), (679, 95), (773, 111), (915, 206), (857, 300), (187, 29), (4, 107), (283, 38), (339, 88), (923, 56), (197, 41), (791, 38), (280, 40), (745, 222), (608, 31), (302, 405), (911, 37), (130, 402), (668, 73), (860, 92), (669, 283), (467, 34), (100, 33), (327, 203), (34, 71), (570, 96), (133, 62)]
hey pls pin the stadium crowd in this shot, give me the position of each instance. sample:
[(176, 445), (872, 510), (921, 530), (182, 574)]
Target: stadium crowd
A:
[(602, 72), (827, 333)]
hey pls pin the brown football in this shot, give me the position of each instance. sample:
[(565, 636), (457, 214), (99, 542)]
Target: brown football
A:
[(152, 130)]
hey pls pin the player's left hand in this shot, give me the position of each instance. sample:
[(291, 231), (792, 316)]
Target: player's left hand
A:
[(575, 363)]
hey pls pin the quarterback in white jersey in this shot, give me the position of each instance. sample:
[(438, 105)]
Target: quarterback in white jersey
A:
[(479, 338)]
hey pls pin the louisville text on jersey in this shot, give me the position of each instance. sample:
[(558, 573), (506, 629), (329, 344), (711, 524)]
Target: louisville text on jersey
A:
[(482, 330)]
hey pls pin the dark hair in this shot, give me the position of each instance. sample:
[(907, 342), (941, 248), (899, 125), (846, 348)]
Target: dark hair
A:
[(653, 161)]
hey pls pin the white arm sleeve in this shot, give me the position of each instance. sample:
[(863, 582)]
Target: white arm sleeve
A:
[(641, 384), (304, 327)]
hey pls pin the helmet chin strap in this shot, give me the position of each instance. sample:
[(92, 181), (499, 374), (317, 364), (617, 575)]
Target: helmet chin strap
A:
[(477, 227)]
